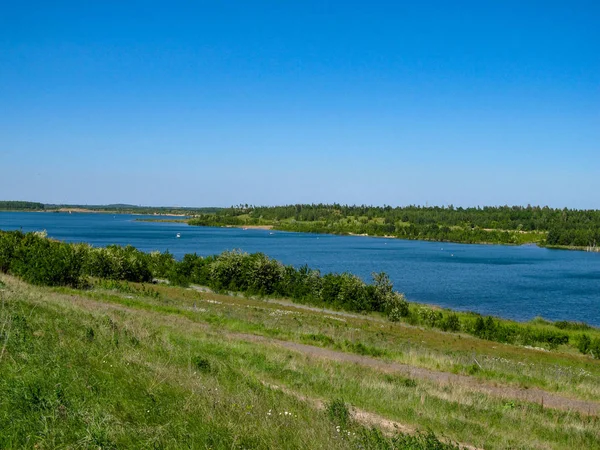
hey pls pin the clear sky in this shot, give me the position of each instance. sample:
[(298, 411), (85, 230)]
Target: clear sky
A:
[(218, 103)]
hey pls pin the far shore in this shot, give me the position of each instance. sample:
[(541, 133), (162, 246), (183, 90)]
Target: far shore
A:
[(251, 227), (95, 211)]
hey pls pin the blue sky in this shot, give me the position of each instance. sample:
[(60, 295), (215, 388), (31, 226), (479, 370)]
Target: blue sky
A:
[(220, 103)]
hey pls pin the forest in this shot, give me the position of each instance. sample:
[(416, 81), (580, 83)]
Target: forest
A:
[(498, 224), (21, 206)]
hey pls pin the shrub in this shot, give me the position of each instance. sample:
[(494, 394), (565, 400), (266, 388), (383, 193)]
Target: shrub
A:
[(330, 289), (595, 348), (429, 316), (9, 241), (265, 274), (41, 261), (302, 284), (450, 323), (353, 294), (118, 263), (584, 344), (226, 271), (566, 325), (396, 307), (161, 264), (383, 291)]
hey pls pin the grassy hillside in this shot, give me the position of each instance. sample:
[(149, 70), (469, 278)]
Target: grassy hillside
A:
[(126, 365)]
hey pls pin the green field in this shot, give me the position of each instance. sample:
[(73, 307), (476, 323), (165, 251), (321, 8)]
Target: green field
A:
[(126, 365)]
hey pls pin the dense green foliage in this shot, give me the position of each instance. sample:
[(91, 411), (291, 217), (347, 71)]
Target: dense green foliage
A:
[(489, 329), (39, 260), (505, 224), (20, 206), (589, 346), (257, 274), (42, 261)]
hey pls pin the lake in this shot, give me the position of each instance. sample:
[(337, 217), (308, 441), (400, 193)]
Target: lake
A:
[(507, 281)]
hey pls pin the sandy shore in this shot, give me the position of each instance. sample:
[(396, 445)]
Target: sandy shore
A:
[(77, 210), (251, 227)]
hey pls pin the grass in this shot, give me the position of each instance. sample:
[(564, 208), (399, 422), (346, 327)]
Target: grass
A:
[(126, 366), (563, 370), (99, 377)]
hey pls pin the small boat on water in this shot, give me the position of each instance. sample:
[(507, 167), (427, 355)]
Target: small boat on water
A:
[(178, 235)]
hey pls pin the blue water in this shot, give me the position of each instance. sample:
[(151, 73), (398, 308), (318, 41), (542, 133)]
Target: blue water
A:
[(513, 282)]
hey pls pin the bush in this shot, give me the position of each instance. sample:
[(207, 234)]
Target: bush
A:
[(489, 329), (353, 294), (584, 344), (396, 307), (450, 323), (118, 263), (595, 348), (9, 241), (429, 316), (41, 261), (566, 325), (265, 274), (227, 272), (303, 284), (161, 264)]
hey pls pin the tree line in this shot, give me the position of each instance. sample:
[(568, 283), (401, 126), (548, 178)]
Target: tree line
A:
[(490, 224), (21, 206), (6, 205)]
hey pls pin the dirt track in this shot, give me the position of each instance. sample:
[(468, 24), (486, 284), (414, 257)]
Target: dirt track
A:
[(533, 395)]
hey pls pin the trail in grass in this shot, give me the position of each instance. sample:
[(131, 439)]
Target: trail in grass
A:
[(533, 395), (363, 417), (289, 303)]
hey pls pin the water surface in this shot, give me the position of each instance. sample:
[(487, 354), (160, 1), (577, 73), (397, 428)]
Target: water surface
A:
[(507, 281)]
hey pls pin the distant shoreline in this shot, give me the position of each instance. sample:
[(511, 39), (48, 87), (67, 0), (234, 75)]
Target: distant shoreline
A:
[(91, 211), (184, 218), (250, 227)]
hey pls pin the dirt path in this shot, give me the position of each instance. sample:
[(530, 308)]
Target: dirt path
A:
[(533, 395), (300, 306), (363, 417)]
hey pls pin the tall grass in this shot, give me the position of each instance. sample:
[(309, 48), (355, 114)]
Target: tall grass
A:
[(72, 377), (82, 373)]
